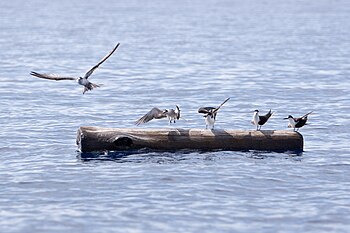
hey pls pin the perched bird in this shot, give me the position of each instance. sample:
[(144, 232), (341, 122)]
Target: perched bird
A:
[(210, 114), (88, 86), (297, 123), (173, 115), (156, 113), (260, 120)]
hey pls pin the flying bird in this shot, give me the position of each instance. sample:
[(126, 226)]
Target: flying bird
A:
[(259, 121), (297, 123), (88, 86), (156, 113), (210, 114)]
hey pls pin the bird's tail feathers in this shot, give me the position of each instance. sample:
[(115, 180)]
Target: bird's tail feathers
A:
[(177, 112), (91, 86), (85, 90), (269, 114), (94, 85)]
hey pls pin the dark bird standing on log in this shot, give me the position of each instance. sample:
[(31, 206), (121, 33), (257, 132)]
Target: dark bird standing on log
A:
[(297, 123), (210, 114), (156, 113), (260, 120), (88, 86)]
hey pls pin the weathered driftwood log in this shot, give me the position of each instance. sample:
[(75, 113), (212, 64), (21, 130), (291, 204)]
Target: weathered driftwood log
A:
[(91, 139)]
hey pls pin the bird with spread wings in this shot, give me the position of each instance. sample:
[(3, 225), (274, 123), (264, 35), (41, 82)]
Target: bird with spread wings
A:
[(210, 114), (88, 86), (156, 113)]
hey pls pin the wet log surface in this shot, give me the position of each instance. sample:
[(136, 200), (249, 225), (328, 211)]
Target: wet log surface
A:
[(95, 139)]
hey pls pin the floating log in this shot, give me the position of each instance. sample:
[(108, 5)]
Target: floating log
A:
[(94, 139)]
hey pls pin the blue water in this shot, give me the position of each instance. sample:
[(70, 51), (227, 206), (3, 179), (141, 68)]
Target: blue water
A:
[(291, 56)]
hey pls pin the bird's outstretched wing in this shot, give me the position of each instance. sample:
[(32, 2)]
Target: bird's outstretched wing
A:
[(303, 117), (306, 114), (177, 112), (51, 76), (205, 110), (87, 75), (217, 109), (154, 113)]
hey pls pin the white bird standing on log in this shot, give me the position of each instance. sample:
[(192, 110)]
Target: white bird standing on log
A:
[(156, 113), (88, 86), (173, 115), (259, 121), (210, 114), (297, 123)]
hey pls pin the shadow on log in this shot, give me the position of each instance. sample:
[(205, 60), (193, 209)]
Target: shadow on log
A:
[(95, 139)]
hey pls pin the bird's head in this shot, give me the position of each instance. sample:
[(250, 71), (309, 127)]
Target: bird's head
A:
[(256, 110), (290, 116)]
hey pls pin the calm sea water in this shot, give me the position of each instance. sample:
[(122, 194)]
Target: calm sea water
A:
[(290, 56)]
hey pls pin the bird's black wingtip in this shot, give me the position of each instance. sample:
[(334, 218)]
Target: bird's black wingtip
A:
[(33, 73), (203, 110)]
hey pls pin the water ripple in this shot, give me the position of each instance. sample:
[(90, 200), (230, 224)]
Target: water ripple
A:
[(289, 56)]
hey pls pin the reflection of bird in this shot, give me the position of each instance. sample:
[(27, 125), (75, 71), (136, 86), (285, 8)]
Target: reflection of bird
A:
[(297, 123), (260, 120), (210, 114), (88, 86), (156, 113)]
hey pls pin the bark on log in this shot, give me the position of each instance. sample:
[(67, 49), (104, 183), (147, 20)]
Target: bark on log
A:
[(90, 139)]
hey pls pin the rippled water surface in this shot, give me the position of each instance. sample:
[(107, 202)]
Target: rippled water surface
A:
[(290, 56)]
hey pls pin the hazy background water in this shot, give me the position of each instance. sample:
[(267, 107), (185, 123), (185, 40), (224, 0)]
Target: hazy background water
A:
[(291, 56)]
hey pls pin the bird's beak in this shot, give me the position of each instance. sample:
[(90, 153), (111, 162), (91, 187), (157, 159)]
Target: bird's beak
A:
[(286, 118)]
